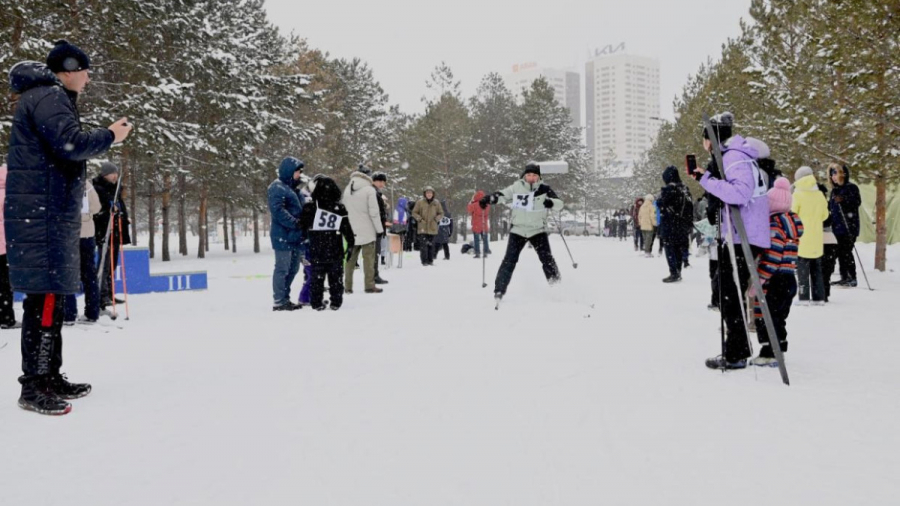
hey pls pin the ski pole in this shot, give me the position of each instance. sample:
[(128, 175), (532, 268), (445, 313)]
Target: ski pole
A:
[(863, 269), (112, 275), (559, 226), (124, 276)]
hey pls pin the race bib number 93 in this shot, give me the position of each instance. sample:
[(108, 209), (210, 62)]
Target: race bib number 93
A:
[(523, 201)]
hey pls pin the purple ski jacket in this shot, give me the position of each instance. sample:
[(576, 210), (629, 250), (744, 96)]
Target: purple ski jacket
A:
[(744, 188)]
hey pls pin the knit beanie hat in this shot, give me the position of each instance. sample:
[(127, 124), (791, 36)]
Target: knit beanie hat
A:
[(107, 168), (722, 125), (532, 168), (780, 199), (802, 172), (66, 57)]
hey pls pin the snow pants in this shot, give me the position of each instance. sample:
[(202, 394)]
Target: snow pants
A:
[(845, 257), (88, 252), (733, 311), (426, 248), (780, 292), (809, 271), (7, 314), (334, 271), (41, 336), (514, 246), (675, 254)]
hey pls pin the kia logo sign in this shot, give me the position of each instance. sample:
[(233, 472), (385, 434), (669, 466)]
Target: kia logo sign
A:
[(609, 50)]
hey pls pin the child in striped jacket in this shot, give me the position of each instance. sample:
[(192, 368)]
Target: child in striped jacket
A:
[(776, 271)]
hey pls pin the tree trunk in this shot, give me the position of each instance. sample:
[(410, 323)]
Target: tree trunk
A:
[(881, 222), (131, 179), (166, 200), (255, 230), (201, 225), (224, 225), (233, 236), (151, 220), (206, 222), (182, 215)]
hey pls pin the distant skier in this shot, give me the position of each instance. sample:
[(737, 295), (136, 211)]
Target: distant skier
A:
[(531, 201)]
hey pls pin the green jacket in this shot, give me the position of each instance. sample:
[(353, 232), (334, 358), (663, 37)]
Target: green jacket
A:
[(529, 216)]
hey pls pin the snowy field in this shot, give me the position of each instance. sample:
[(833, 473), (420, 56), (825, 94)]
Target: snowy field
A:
[(590, 393)]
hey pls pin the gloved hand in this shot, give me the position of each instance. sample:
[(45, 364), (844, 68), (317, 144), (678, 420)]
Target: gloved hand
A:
[(548, 203), (349, 253), (483, 203)]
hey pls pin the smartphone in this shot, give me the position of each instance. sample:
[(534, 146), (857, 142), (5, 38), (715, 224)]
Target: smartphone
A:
[(690, 162)]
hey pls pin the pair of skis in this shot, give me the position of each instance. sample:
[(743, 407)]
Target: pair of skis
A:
[(738, 221)]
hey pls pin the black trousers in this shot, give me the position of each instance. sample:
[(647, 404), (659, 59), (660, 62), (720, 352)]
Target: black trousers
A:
[(446, 248), (334, 272), (41, 336), (809, 271), (7, 313), (714, 281), (426, 248), (845, 257), (829, 262), (780, 292), (638, 239), (675, 253), (378, 255), (736, 345), (514, 247), (106, 279)]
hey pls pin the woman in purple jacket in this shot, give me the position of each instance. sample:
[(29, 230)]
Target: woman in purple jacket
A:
[(738, 184)]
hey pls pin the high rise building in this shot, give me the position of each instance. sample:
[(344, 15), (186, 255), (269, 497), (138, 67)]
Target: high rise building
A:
[(622, 108), (566, 85)]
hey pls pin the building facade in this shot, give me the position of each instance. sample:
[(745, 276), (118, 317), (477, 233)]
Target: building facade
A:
[(622, 109), (566, 85)]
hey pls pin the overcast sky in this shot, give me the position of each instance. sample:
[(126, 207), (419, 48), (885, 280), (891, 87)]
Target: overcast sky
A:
[(403, 40)]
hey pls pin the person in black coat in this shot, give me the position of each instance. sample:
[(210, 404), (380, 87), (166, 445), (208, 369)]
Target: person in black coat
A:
[(325, 222), (445, 231), (106, 184), (48, 151), (844, 210), (379, 180), (411, 241), (676, 211)]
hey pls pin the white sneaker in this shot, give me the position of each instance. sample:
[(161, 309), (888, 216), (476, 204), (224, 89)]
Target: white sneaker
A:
[(818, 303)]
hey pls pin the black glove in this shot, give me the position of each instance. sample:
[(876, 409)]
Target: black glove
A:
[(483, 203), (349, 253), (542, 190), (548, 203)]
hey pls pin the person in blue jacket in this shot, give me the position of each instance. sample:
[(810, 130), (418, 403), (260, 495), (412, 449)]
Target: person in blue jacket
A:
[(287, 237), (48, 150)]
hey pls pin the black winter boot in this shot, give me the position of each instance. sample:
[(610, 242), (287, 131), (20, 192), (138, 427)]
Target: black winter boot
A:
[(38, 398), (63, 389)]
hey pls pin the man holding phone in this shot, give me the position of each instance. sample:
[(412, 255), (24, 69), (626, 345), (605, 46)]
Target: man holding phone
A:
[(48, 151)]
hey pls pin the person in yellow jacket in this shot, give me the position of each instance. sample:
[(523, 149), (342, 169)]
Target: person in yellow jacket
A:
[(647, 222), (811, 206)]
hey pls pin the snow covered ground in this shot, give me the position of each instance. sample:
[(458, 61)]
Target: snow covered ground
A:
[(593, 392)]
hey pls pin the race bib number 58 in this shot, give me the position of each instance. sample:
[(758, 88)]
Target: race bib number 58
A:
[(523, 201), (326, 222)]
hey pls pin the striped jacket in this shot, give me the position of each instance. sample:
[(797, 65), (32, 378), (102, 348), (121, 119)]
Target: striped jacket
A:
[(781, 257)]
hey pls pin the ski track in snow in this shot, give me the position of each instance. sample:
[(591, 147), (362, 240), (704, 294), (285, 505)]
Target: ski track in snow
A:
[(590, 392)]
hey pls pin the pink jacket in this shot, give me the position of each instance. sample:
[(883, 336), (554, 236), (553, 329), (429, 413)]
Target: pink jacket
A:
[(3, 172)]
